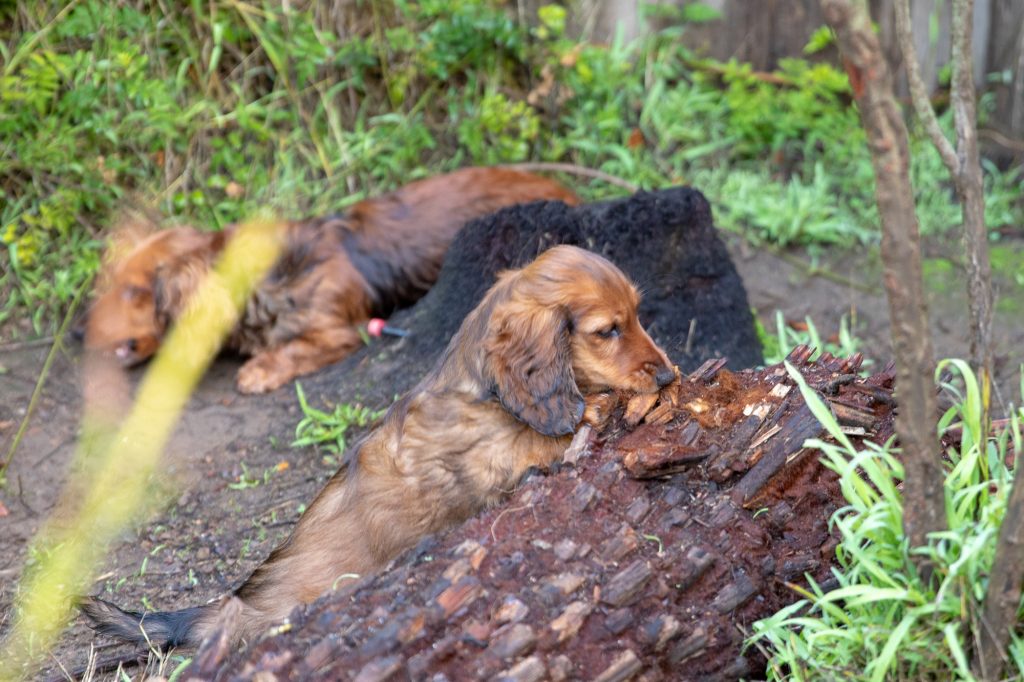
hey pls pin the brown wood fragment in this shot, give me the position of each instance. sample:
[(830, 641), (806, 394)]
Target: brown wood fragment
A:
[(795, 429), (582, 496), (724, 464), (663, 413), (527, 670), (800, 355), (708, 370), (623, 543), (511, 610), (512, 641), (638, 406), (831, 387), (660, 630), (662, 456), (734, 594), (759, 426), (848, 415), (459, 595), (619, 620), (624, 587), (692, 645), (560, 668), (320, 653), (623, 668), (565, 583), (638, 509), (379, 670), (457, 569), (580, 443), (698, 561), (565, 549), (569, 622), (879, 394)]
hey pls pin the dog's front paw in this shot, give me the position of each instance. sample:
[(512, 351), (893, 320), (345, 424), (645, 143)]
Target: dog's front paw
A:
[(259, 375), (599, 408)]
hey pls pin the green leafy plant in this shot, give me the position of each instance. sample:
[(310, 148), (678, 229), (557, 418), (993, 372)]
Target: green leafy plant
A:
[(883, 621), (211, 112), (780, 344), (328, 430)]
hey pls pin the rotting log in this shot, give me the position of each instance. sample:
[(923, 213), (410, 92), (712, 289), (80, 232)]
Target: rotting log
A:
[(649, 558)]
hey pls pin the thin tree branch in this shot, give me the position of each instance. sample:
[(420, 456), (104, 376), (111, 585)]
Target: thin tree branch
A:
[(918, 90), (871, 82), (1002, 597), (970, 191)]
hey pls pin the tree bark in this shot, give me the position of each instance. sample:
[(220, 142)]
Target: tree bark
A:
[(965, 169), (924, 505), (1002, 597), (970, 191)]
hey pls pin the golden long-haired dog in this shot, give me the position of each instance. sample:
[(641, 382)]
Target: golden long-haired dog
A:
[(507, 395), (333, 274)]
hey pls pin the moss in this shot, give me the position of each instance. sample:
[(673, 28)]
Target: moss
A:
[(940, 275)]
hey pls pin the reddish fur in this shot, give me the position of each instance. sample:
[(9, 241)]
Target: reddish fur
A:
[(334, 274), (506, 395)]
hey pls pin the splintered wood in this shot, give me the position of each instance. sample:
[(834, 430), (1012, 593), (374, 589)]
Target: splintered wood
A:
[(668, 530)]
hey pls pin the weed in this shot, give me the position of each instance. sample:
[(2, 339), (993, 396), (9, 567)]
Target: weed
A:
[(211, 114), (787, 337), (327, 430), (247, 480), (884, 621), (655, 538)]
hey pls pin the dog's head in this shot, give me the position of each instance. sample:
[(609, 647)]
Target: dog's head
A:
[(563, 327), (142, 288)]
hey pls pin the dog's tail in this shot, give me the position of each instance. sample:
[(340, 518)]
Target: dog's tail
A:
[(163, 629)]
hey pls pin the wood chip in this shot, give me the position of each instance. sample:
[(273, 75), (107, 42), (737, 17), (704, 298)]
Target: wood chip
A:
[(625, 587), (512, 641), (622, 668), (619, 546), (578, 446), (379, 670), (527, 670), (692, 645), (571, 620), (511, 610), (459, 595)]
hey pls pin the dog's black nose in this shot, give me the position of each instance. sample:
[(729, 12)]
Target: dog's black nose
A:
[(132, 345), (78, 333), (664, 376)]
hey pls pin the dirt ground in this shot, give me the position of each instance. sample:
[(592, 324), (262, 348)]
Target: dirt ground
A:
[(240, 486)]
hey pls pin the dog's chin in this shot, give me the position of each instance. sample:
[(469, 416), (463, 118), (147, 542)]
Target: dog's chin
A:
[(645, 387), (632, 385), (127, 358)]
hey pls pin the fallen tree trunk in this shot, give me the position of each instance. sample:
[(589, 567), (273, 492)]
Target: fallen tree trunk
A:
[(652, 555)]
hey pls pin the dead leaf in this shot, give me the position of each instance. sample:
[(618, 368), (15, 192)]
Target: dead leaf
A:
[(636, 139)]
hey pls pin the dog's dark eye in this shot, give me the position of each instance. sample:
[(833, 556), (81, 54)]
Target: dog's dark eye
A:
[(611, 332)]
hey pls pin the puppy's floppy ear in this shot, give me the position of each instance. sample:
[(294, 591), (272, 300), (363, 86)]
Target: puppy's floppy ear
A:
[(176, 279), (529, 358)]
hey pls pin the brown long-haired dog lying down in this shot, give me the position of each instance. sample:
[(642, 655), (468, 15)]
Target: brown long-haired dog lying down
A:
[(506, 395), (333, 274)]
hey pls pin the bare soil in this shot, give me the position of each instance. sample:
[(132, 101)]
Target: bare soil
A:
[(225, 518)]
